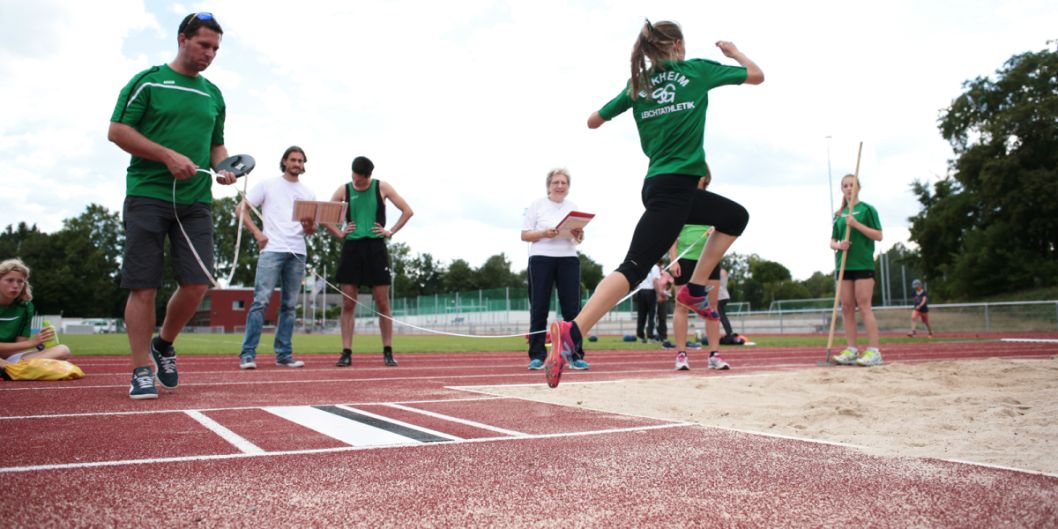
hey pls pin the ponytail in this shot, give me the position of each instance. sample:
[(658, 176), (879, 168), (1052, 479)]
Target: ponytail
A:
[(655, 45)]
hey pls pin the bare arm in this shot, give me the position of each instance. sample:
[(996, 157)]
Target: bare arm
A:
[(247, 221), (754, 75), (405, 210), (339, 196), (595, 120), (217, 154)]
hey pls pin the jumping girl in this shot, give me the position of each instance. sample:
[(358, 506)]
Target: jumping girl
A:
[(668, 96)]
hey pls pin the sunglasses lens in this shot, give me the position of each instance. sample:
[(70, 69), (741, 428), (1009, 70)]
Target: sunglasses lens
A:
[(204, 16)]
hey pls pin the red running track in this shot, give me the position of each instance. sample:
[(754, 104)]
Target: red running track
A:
[(413, 446)]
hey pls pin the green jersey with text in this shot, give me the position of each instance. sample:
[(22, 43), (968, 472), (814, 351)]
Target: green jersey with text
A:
[(670, 113), (185, 114)]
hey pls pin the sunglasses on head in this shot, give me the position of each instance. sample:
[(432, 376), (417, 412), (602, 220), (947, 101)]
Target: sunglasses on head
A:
[(203, 16)]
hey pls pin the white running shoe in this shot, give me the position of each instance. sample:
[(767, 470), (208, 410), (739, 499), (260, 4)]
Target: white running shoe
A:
[(870, 358), (847, 357), (681, 362), (715, 362)]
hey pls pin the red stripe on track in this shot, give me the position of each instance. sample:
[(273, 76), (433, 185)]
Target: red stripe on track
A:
[(106, 438), (271, 433)]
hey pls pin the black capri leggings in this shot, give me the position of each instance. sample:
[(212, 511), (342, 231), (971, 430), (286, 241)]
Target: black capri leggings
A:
[(672, 200)]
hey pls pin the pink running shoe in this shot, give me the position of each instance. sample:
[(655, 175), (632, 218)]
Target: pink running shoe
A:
[(561, 352), (699, 304)]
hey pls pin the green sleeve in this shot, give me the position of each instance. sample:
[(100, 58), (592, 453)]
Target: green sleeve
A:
[(133, 100), (872, 220), (717, 74), (218, 126), (616, 106), (27, 320)]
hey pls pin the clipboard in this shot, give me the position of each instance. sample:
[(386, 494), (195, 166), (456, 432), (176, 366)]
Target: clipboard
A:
[(574, 220), (320, 212)]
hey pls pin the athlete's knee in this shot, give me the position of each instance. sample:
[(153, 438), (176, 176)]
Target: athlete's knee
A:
[(632, 273), (736, 222)]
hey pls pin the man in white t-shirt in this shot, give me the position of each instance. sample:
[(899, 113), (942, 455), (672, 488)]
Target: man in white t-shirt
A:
[(282, 259)]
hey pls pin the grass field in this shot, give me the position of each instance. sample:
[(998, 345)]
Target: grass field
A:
[(118, 344)]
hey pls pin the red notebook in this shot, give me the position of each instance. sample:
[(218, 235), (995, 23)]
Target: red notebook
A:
[(574, 220)]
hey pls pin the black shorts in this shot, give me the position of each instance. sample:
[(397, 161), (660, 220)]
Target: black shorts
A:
[(687, 269), (364, 262), (853, 275), (147, 222)]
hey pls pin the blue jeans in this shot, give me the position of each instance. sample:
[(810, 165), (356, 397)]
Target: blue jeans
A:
[(546, 274), (288, 269)]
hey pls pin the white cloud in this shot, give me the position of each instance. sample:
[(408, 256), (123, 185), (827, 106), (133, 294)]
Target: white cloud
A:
[(465, 106)]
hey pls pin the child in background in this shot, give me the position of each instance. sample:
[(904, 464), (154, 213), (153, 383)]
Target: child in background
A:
[(16, 315), (921, 310)]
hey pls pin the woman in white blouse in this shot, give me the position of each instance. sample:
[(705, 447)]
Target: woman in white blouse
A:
[(553, 262)]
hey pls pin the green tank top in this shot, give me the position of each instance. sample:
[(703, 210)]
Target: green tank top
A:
[(365, 209)]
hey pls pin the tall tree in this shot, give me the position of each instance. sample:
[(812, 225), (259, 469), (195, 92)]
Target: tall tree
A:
[(995, 213), (590, 273), (495, 272)]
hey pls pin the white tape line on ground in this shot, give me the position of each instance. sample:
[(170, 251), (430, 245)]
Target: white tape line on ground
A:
[(238, 441), (466, 422)]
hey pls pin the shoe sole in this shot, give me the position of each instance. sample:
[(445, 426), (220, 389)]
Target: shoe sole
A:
[(247, 366), (143, 396), (683, 368), (556, 360), (291, 365)]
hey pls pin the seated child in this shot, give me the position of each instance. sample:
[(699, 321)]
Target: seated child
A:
[(16, 315)]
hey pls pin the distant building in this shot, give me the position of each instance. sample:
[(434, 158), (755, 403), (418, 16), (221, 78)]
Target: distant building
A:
[(227, 307)]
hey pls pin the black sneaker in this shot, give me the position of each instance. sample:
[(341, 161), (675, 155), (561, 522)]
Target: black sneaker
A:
[(164, 365), (345, 360), (142, 384), (388, 359)]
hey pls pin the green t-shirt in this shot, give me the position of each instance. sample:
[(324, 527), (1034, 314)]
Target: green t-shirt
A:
[(185, 114), (861, 252), (670, 113), (15, 320), (691, 236), (365, 209)]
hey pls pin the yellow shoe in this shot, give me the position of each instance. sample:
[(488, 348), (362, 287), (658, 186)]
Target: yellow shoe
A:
[(847, 357)]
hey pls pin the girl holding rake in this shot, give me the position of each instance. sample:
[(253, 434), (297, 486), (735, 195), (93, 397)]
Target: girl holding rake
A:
[(668, 95), (857, 282)]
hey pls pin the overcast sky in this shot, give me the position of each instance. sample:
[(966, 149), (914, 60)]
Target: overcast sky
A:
[(464, 106)]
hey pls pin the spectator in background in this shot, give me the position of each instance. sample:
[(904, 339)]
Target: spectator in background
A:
[(647, 305), (921, 310), (17, 340), (281, 242), (553, 263), (663, 288)]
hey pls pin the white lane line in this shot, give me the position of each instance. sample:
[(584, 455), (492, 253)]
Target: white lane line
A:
[(233, 408), (348, 431), (466, 422), (416, 427), (1029, 340), (221, 457), (239, 442)]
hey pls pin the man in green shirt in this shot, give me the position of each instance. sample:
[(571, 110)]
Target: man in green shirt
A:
[(171, 120)]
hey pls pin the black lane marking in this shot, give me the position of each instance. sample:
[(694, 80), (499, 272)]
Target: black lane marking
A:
[(398, 429)]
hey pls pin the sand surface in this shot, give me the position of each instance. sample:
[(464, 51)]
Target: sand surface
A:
[(998, 411)]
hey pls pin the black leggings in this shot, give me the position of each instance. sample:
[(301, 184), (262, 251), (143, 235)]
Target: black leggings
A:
[(672, 200)]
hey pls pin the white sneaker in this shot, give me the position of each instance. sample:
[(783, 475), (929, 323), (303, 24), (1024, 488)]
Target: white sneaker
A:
[(681, 361), (870, 358), (291, 363), (715, 362), (247, 362), (847, 357)]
